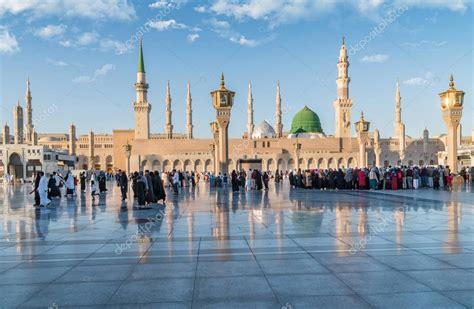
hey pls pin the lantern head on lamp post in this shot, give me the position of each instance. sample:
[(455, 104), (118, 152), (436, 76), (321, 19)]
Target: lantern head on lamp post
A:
[(362, 126)]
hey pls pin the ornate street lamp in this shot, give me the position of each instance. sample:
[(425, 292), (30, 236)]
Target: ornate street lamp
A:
[(451, 107), (127, 149)]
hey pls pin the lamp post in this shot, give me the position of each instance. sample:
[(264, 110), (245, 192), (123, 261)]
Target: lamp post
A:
[(362, 129), (297, 147), (222, 100), (451, 108), (214, 147), (128, 152)]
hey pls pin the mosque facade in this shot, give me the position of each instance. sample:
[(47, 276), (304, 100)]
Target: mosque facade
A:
[(267, 146)]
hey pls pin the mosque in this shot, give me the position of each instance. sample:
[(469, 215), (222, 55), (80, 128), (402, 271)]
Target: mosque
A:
[(266, 146)]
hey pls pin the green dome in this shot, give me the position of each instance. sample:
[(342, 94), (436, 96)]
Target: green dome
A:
[(306, 121)]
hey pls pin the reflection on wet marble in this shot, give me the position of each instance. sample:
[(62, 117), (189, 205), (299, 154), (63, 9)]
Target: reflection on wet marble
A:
[(211, 248)]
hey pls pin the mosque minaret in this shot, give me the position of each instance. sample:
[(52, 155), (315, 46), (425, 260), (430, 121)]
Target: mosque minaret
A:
[(141, 106), (189, 114), (6, 134), (168, 113), (29, 128), (399, 125), (278, 124), (343, 103), (250, 123), (18, 123)]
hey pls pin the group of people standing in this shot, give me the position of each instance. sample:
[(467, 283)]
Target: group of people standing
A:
[(389, 178), (47, 187), (147, 187)]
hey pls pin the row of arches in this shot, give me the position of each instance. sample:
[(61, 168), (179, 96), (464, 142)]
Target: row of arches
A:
[(206, 165), (169, 165), (308, 163), (99, 162)]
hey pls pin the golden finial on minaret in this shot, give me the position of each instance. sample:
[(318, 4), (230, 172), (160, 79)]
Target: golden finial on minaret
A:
[(451, 81), (343, 40), (222, 81)]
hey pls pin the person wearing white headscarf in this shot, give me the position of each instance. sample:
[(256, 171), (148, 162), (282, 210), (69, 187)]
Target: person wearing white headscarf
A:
[(43, 190), (69, 184)]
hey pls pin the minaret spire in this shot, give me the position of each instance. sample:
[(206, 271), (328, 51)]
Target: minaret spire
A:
[(399, 125), (250, 125), (343, 103), (278, 124), (141, 106), (141, 62), (398, 110), (222, 81), (29, 128), (169, 124), (18, 123), (189, 113)]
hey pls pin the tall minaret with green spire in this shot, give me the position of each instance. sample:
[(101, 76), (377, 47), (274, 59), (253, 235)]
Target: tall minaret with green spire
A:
[(141, 106)]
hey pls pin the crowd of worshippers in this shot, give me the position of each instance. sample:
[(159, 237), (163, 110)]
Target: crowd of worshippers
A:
[(253, 179), (389, 178), (47, 186)]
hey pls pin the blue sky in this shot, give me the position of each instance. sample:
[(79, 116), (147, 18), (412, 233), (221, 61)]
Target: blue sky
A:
[(81, 58)]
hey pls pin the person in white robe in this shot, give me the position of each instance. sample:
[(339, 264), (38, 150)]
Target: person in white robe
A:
[(43, 190), (70, 184)]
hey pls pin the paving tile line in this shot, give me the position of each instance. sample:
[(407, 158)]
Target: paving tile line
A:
[(210, 238), (414, 279), (334, 274), (126, 277), (275, 295), (89, 258), (47, 285), (195, 276), (400, 196)]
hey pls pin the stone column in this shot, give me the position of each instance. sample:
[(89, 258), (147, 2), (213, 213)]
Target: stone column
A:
[(377, 148), (362, 129), (223, 145)]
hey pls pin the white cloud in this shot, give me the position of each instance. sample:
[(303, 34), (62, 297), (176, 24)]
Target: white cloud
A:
[(200, 9), (93, 9), (58, 63), (242, 40), (50, 31), (102, 71), (377, 58), (87, 38), (192, 37), (427, 80), (110, 44), (369, 5), (223, 29), (8, 42), (275, 12), (425, 43), (65, 43), (162, 25), (167, 4)]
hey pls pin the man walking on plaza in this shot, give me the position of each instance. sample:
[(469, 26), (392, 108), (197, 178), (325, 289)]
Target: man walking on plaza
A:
[(176, 181), (123, 183)]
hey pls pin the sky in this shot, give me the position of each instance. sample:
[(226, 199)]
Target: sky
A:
[(81, 57)]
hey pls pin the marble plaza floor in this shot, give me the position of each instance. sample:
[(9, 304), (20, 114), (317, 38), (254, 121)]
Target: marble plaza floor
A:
[(214, 249)]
